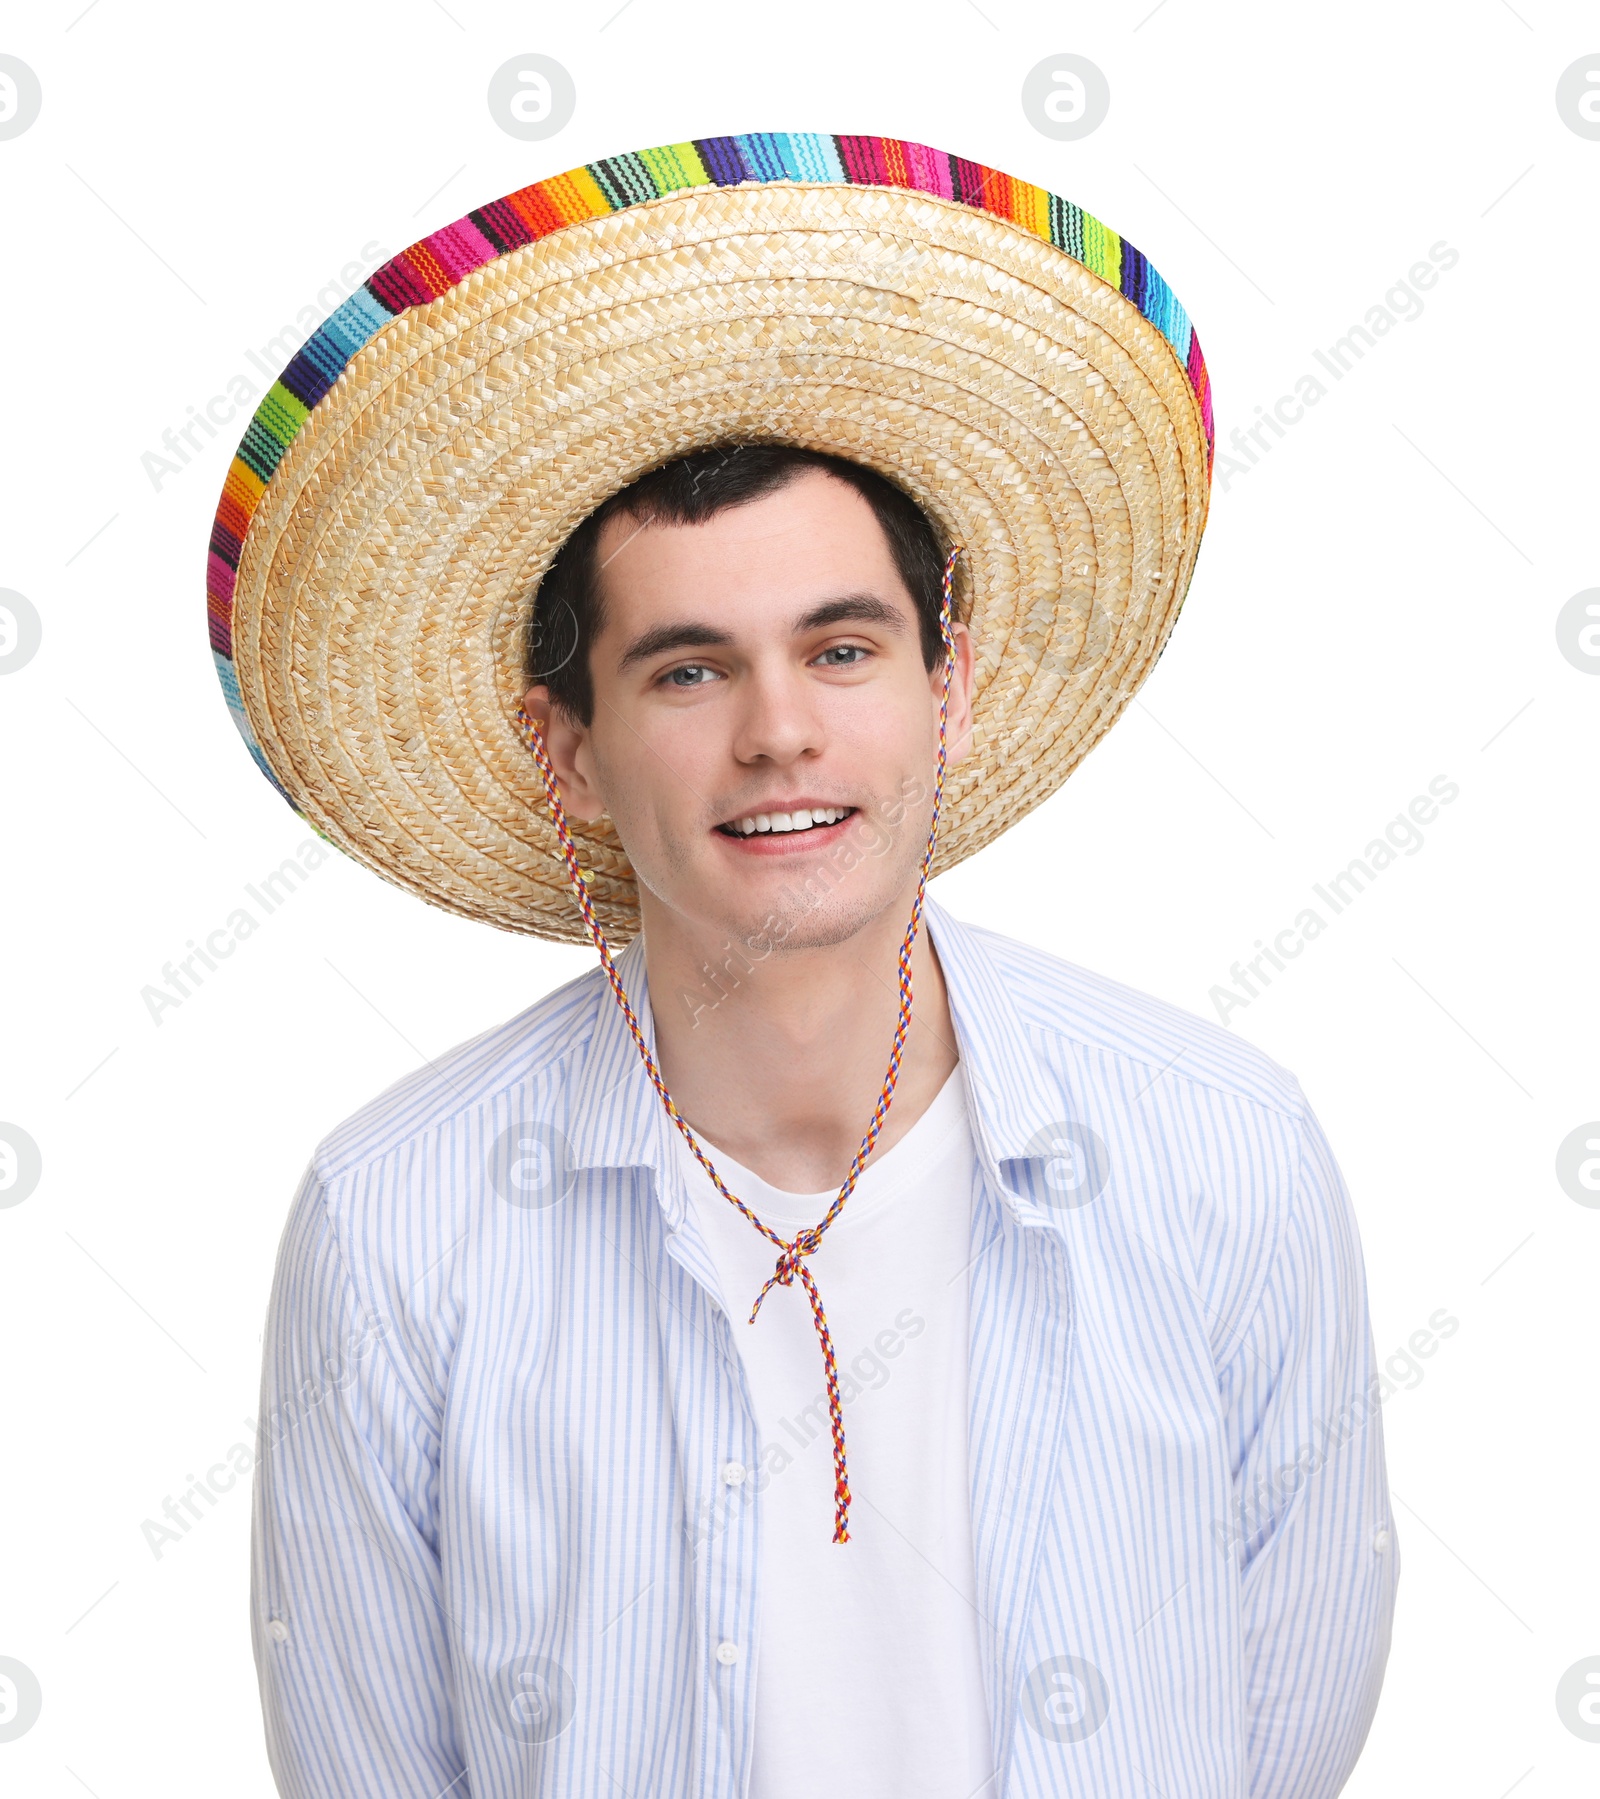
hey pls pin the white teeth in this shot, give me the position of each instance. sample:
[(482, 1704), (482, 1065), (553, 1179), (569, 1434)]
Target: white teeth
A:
[(801, 819)]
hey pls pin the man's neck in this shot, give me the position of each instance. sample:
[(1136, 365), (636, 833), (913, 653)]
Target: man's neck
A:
[(778, 1060)]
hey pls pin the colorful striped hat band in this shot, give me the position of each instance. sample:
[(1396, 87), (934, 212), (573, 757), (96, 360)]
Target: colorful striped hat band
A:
[(1015, 366), (791, 1255)]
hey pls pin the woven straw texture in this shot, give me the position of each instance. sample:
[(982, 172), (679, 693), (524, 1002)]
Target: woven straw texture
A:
[(371, 587)]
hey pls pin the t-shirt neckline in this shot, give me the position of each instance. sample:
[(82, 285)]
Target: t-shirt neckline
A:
[(891, 1173)]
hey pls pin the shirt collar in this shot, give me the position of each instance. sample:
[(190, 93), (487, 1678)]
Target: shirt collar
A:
[(615, 1107), (1013, 1107), (618, 1120)]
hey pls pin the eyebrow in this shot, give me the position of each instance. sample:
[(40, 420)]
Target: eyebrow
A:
[(690, 634), (852, 608), (686, 635)]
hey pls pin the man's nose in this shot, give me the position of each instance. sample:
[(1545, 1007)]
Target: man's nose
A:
[(779, 720)]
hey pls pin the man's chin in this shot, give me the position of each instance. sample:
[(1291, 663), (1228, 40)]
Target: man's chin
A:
[(782, 913), (823, 926)]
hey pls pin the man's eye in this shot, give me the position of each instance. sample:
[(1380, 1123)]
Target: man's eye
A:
[(694, 674), (842, 655)]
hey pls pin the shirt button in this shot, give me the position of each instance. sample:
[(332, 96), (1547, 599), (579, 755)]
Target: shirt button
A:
[(278, 1630), (1380, 1542), (733, 1473), (727, 1653)]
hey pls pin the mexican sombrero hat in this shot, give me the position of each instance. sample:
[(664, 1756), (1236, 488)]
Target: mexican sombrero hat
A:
[(1013, 364)]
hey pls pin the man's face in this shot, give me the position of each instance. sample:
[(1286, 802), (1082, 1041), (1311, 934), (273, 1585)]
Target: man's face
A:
[(754, 671)]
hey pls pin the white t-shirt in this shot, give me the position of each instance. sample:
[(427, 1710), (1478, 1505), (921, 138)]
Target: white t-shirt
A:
[(869, 1673)]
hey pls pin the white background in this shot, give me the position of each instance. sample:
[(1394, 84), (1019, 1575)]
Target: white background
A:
[(1374, 606)]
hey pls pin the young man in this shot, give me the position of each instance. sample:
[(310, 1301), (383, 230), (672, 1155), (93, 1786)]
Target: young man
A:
[(1011, 1432)]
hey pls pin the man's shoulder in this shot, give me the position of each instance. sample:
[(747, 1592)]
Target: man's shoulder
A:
[(467, 1080), (1105, 1017)]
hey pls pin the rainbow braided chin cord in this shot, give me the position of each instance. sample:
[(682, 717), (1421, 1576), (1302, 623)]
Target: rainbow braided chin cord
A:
[(791, 1259)]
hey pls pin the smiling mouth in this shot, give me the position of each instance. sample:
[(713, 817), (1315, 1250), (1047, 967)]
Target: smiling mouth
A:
[(797, 822)]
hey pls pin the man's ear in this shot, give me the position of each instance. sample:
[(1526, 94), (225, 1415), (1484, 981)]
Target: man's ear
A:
[(570, 755), (958, 726)]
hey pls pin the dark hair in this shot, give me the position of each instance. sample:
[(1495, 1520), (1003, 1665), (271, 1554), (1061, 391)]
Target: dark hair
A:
[(567, 613)]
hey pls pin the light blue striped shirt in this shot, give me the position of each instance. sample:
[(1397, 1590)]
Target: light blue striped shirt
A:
[(501, 1397)]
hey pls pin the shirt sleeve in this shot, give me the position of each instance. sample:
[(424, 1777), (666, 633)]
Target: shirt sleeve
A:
[(347, 1611), (1312, 1530)]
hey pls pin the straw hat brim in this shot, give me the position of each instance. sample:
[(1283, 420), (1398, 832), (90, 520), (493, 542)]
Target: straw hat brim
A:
[(371, 589)]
